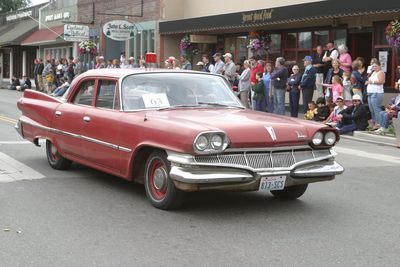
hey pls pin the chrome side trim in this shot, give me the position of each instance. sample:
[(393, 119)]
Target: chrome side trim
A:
[(82, 137)]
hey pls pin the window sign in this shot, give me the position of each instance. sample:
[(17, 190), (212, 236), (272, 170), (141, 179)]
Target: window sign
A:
[(383, 59)]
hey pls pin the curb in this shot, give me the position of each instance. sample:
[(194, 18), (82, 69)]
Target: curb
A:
[(366, 137)]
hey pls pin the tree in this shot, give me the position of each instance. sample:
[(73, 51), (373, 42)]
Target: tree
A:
[(12, 5)]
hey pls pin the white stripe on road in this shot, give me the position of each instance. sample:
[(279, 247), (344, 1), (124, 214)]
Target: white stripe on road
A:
[(12, 170), (368, 155)]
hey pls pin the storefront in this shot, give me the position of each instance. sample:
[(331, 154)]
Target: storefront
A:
[(293, 31), (15, 26), (49, 38)]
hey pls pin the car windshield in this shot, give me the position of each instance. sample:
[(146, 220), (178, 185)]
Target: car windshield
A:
[(176, 90)]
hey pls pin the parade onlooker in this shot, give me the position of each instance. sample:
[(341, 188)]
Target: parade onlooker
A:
[(59, 71), (385, 116), (39, 75), (109, 64), (259, 93), (168, 62), (354, 117), (206, 63), (336, 87), (332, 118), (319, 65), (51, 81), (279, 80), (14, 82), (46, 70), (229, 68), (344, 58), (372, 62), (347, 87), (142, 64), (255, 67), (176, 64), (294, 91), (26, 83), (244, 84), (307, 83), (185, 64), (115, 64), (70, 70), (312, 109), (35, 73), (375, 92), (61, 89), (322, 112), (358, 78), (199, 65), (269, 106), (331, 53), (397, 84), (335, 70), (219, 64)]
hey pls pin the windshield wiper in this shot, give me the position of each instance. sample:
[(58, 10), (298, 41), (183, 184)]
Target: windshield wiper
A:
[(218, 104), (180, 106)]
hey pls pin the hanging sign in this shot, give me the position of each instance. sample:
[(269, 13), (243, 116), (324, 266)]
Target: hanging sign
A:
[(119, 30), (76, 33)]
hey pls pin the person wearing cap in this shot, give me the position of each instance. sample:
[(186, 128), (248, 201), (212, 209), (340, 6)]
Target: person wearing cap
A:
[(219, 64), (385, 116), (307, 83), (279, 80), (102, 63), (229, 68), (185, 64), (200, 65), (354, 117), (339, 106)]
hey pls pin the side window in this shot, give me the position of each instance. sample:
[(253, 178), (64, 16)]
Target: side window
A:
[(107, 96), (85, 93)]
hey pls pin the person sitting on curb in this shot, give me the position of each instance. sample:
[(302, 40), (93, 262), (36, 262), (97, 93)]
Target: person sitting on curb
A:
[(312, 109), (14, 83), (59, 91), (385, 116), (26, 83), (322, 110), (332, 119), (354, 117)]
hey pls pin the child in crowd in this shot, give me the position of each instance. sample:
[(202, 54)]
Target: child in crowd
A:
[(322, 110), (50, 79), (26, 83), (312, 109), (347, 87), (336, 86), (259, 92), (332, 119)]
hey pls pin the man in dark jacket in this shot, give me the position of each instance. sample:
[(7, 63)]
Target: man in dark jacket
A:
[(354, 117), (279, 80), (307, 82)]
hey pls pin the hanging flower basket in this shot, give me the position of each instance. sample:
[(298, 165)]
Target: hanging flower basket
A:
[(392, 32), (259, 43), (88, 47), (187, 48)]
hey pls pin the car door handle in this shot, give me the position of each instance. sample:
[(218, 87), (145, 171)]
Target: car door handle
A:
[(58, 113), (86, 119)]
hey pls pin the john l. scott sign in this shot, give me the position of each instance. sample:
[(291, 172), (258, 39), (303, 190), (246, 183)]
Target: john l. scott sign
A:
[(119, 30), (76, 33)]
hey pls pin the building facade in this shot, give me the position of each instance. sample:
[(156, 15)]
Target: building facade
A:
[(293, 28), (17, 60)]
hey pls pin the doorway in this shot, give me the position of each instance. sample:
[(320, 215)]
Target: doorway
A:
[(361, 46)]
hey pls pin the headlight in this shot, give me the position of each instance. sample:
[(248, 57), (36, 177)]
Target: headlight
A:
[(210, 142), (216, 141), (201, 143), (317, 139), (330, 138)]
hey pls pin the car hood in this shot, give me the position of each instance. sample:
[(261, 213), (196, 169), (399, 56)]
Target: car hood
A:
[(244, 128)]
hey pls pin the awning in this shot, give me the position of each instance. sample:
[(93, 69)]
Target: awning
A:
[(44, 36), (14, 33), (280, 15)]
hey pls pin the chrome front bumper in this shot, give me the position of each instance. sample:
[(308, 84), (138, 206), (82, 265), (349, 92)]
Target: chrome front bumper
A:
[(185, 170)]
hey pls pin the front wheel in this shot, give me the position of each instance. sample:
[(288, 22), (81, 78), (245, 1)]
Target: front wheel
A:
[(54, 158), (160, 189), (291, 192)]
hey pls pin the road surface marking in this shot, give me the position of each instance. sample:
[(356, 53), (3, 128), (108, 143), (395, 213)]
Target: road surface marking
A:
[(7, 119), (12, 170), (359, 153)]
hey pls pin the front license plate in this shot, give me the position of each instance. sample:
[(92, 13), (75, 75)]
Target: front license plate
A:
[(270, 183)]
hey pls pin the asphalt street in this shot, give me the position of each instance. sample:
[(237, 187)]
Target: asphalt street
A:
[(82, 217)]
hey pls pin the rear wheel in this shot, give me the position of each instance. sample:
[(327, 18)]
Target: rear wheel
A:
[(160, 189), (291, 192), (54, 158)]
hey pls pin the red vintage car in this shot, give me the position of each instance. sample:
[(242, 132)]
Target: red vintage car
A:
[(177, 131)]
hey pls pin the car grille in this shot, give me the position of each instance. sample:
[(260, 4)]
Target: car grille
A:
[(262, 160)]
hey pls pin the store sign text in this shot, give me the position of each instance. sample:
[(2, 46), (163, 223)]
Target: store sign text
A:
[(19, 15), (76, 33), (57, 16), (119, 30), (257, 16)]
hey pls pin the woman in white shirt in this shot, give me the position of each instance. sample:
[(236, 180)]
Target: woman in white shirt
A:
[(244, 84), (375, 92)]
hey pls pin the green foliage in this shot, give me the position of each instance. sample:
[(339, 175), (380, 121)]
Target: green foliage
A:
[(12, 5)]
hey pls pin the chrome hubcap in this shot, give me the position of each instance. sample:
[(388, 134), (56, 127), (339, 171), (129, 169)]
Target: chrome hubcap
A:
[(160, 178), (53, 150)]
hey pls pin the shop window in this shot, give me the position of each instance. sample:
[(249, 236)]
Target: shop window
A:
[(152, 41), (291, 40), (305, 40), (275, 47), (242, 50), (145, 43), (321, 37), (138, 46), (379, 34), (339, 36)]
